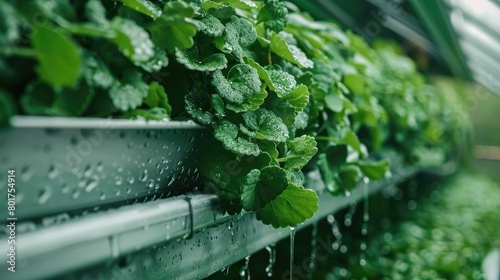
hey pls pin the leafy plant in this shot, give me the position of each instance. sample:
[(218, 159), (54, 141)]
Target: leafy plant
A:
[(277, 89)]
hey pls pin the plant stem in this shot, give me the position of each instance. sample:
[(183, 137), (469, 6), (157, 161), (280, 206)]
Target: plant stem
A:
[(326, 138), (25, 52)]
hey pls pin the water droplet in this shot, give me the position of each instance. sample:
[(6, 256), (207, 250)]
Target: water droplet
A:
[(151, 183), (172, 180), (118, 180), (92, 183), (75, 194), (102, 196), (312, 258), (87, 171), (44, 195), (53, 172), (65, 189), (25, 173), (99, 167), (245, 271), (144, 176), (225, 270), (130, 180), (271, 249)]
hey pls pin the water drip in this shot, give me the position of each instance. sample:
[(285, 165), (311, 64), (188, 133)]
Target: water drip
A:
[(271, 249)]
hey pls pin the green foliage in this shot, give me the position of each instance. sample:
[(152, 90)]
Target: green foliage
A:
[(262, 187), (175, 28), (242, 82), (280, 91), (58, 56), (143, 6), (448, 237), (294, 205), (273, 14)]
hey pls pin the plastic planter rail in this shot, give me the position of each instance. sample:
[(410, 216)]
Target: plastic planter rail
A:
[(180, 238), (75, 164)]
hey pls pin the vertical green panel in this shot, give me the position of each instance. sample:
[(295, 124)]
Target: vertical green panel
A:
[(437, 20)]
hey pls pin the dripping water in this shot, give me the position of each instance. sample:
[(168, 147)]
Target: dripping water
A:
[(225, 270), (245, 271), (350, 213), (271, 249), (335, 231), (312, 259), (292, 249), (366, 218)]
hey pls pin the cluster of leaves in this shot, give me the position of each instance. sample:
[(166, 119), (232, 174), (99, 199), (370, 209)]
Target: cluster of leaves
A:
[(274, 85), (447, 238)]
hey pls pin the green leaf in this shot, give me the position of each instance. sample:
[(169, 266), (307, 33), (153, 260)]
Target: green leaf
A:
[(251, 104), (330, 178), (157, 97), (266, 125), (241, 4), (350, 176), (350, 138), (298, 98), (283, 83), (218, 10), (59, 58), (190, 59), (292, 207), (197, 107), (227, 133), (269, 147), (143, 6), (218, 105), (239, 33), (261, 71), (289, 52), (260, 187), (374, 170), (97, 73), (273, 14), (129, 93), (149, 114), (175, 28), (300, 152), (134, 42), (9, 24), (333, 102), (42, 99), (356, 83), (96, 13), (210, 26), (295, 177), (281, 108), (241, 84), (158, 61), (223, 176), (6, 108), (58, 10)]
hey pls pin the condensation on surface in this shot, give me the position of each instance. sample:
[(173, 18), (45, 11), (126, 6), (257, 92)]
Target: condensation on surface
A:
[(74, 169)]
